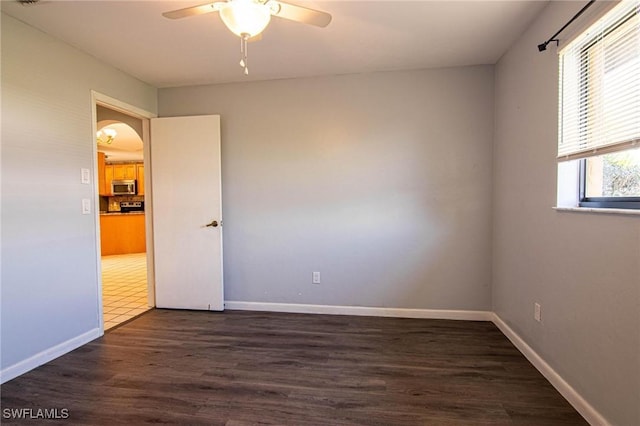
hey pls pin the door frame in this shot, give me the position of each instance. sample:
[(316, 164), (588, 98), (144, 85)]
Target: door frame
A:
[(98, 98)]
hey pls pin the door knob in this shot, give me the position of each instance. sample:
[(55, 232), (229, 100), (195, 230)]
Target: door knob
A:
[(213, 224)]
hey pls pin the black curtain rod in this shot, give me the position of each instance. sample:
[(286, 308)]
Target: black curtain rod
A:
[(542, 47)]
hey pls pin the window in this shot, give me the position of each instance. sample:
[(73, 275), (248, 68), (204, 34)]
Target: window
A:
[(600, 109), (611, 180)]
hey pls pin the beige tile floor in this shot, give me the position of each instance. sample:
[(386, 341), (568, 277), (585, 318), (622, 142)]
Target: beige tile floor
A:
[(124, 287)]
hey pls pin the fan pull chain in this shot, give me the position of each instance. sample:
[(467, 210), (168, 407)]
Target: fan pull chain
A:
[(244, 44)]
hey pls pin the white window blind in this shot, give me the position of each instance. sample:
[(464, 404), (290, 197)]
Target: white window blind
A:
[(600, 86)]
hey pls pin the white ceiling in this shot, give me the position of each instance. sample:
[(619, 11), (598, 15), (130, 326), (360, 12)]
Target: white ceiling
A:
[(363, 36)]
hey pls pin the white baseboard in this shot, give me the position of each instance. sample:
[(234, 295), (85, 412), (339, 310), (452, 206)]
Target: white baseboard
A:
[(47, 355), (587, 411), (360, 311)]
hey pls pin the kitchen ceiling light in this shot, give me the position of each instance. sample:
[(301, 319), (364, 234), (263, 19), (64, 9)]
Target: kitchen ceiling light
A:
[(246, 19), (106, 136)]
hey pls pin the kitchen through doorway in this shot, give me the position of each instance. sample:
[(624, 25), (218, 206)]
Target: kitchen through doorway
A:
[(123, 233)]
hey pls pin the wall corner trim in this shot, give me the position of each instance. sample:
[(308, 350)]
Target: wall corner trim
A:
[(585, 409), (360, 311), (15, 370)]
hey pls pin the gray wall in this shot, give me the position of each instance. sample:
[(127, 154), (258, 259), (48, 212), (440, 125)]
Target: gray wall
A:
[(49, 263), (584, 269), (382, 182)]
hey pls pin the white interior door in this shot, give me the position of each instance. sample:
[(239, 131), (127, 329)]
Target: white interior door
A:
[(187, 212)]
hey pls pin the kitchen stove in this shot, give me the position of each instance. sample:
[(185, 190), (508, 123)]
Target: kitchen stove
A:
[(131, 206)]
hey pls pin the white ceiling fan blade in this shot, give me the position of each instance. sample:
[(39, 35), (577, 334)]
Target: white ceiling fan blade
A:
[(301, 14), (193, 10)]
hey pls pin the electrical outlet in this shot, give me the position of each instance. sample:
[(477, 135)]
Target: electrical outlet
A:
[(537, 312), (316, 278)]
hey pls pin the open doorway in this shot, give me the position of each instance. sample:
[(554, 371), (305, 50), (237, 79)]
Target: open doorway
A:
[(127, 290)]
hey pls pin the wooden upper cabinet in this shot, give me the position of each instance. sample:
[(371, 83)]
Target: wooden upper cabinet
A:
[(129, 171), (124, 171), (140, 173), (102, 186), (108, 177), (111, 172), (118, 172)]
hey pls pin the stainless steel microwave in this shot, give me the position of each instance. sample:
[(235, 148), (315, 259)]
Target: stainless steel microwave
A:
[(123, 187)]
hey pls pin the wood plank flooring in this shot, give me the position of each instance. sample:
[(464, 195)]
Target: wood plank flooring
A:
[(244, 368)]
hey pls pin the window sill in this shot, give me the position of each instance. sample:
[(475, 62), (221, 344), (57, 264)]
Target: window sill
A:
[(598, 210)]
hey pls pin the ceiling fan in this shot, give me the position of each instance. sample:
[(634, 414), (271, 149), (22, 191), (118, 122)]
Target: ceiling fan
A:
[(248, 18)]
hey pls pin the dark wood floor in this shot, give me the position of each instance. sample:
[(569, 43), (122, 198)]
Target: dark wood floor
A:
[(241, 368)]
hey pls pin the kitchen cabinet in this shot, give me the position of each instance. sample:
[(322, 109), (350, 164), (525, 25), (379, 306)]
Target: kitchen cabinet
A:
[(124, 171), (108, 177), (102, 187), (140, 175), (122, 233), (111, 172)]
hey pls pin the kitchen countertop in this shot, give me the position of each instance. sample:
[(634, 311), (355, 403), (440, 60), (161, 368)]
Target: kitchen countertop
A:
[(119, 213)]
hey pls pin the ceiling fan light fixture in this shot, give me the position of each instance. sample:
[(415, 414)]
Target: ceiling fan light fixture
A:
[(248, 18), (245, 17)]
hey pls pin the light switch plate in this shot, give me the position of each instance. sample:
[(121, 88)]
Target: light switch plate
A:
[(537, 312), (85, 176), (86, 206)]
